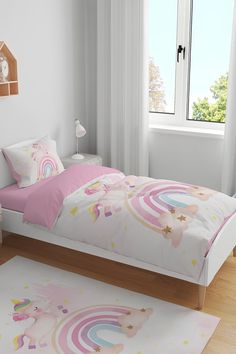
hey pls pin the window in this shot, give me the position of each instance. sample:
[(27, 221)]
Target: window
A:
[(188, 61)]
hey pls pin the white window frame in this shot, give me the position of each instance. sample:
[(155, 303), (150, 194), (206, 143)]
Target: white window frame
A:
[(182, 80)]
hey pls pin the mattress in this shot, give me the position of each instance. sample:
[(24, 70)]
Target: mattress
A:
[(14, 198)]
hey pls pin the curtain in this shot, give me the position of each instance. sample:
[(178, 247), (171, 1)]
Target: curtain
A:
[(229, 154), (122, 84)]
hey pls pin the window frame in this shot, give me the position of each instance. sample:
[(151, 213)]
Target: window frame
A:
[(182, 79)]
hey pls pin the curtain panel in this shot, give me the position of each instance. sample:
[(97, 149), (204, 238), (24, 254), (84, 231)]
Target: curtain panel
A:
[(122, 84), (229, 154)]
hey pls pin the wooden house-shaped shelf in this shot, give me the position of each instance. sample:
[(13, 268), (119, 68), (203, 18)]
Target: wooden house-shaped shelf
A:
[(9, 87)]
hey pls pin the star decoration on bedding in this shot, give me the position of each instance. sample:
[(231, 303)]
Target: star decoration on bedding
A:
[(172, 211), (182, 218), (113, 245), (74, 211), (186, 342), (167, 230), (213, 217)]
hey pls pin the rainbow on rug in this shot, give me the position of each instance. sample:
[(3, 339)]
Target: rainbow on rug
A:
[(79, 332), (45, 310)]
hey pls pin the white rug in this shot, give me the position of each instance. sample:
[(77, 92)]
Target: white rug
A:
[(47, 310)]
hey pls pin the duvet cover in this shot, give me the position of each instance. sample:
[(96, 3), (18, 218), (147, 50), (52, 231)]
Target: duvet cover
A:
[(161, 222)]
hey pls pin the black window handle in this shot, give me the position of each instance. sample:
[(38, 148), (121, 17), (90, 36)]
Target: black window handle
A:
[(179, 51)]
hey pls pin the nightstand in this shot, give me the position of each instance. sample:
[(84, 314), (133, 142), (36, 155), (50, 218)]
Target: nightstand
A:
[(88, 160)]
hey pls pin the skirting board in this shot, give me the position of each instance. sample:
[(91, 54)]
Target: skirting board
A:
[(220, 250)]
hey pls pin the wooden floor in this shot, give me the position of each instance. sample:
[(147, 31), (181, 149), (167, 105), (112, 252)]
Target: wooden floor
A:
[(220, 297)]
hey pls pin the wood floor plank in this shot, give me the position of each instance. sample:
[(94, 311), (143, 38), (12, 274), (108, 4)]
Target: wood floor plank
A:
[(220, 295)]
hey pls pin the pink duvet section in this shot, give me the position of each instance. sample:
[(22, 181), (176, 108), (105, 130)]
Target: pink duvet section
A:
[(14, 198), (44, 204)]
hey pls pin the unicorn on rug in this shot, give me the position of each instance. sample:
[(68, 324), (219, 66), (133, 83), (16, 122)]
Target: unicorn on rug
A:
[(45, 321)]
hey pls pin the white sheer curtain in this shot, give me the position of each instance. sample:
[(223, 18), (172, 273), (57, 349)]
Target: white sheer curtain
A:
[(229, 157), (122, 84)]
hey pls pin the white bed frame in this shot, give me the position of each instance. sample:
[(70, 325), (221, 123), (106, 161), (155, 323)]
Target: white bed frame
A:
[(223, 245)]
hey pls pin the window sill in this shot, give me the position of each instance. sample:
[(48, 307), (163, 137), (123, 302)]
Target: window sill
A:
[(188, 131)]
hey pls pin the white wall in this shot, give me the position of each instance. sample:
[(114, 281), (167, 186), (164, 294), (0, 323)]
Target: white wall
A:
[(47, 38), (191, 159)]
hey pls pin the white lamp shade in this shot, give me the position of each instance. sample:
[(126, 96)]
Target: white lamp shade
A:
[(79, 129)]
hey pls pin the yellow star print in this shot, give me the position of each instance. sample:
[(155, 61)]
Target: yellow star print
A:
[(182, 218), (130, 327), (213, 217), (167, 230), (194, 262), (74, 211), (185, 342)]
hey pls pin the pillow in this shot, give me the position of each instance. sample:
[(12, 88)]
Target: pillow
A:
[(33, 160)]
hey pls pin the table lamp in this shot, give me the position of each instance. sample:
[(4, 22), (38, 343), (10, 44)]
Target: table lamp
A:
[(79, 132)]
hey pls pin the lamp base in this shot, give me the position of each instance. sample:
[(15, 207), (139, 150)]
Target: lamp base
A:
[(77, 157)]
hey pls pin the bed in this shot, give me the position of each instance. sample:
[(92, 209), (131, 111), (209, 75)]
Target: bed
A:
[(16, 201)]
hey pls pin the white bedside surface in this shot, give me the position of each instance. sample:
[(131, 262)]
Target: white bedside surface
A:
[(88, 160)]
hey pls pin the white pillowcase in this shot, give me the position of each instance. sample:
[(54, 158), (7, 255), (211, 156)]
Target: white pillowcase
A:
[(33, 160)]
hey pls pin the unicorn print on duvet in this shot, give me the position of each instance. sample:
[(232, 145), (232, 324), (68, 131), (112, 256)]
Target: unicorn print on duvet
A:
[(165, 223)]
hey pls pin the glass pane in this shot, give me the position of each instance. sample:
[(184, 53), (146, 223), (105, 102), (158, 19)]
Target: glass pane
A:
[(211, 38), (162, 53)]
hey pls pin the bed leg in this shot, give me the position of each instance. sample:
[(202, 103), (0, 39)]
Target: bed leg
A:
[(234, 251), (201, 296)]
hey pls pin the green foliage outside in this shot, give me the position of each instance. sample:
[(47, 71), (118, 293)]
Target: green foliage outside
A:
[(213, 111), (203, 109)]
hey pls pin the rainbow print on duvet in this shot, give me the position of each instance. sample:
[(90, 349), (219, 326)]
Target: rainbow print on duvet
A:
[(154, 203)]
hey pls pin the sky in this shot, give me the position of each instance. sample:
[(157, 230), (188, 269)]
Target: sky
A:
[(211, 38)]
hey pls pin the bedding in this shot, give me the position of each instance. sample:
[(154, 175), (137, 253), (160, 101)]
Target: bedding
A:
[(164, 223), (32, 161), (14, 198)]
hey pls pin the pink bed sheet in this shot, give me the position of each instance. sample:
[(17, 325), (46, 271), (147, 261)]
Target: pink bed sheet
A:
[(14, 198)]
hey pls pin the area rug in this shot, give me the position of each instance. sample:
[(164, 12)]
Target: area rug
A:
[(47, 310)]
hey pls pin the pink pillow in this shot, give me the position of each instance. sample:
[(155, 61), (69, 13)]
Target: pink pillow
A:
[(31, 161)]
